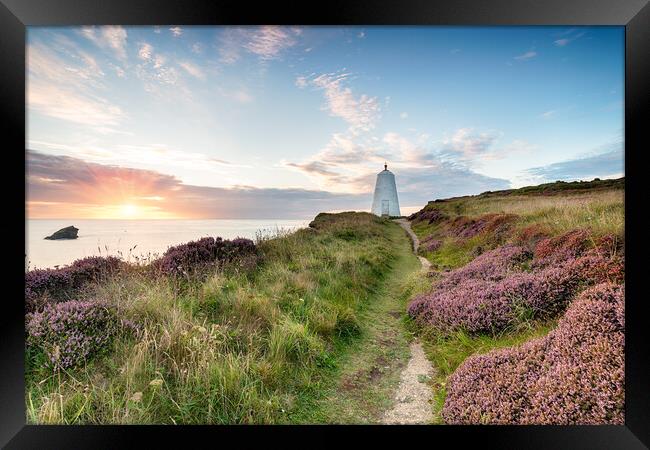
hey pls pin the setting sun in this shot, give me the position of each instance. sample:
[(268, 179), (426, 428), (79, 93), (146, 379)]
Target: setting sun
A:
[(128, 210)]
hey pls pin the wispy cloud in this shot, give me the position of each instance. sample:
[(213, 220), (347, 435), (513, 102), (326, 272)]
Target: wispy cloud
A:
[(407, 151), (269, 41), (526, 56), (109, 37), (45, 63), (156, 71), (302, 82), (469, 143), (176, 31), (120, 72), (229, 45), (58, 102), (239, 95), (472, 148), (568, 37), (318, 169), (360, 112), (548, 114), (66, 91), (192, 69), (145, 52), (159, 156)]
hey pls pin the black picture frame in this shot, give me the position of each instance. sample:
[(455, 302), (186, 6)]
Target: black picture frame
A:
[(16, 15)]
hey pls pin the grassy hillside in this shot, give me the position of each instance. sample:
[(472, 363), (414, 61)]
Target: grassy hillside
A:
[(507, 265), (554, 188), (529, 212), (251, 338)]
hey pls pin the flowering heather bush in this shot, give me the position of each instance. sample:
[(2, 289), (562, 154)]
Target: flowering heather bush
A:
[(499, 223), (492, 265), (59, 283), (464, 227), (609, 245), (431, 216), (486, 306), (193, 255), (71, 332), (493, 292), (596, 261), (428, 238), (574, 375), (594, 268), (443, 310), (433, 245), (529, 236), (567, 246), (430, 244)]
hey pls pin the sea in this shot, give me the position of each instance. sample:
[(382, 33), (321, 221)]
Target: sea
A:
[(136, 240)]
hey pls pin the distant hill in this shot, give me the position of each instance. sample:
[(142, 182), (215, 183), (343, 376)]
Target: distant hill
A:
[(555, 188)]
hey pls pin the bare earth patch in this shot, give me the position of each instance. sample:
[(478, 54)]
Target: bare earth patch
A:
[(412, 401), (413, 396)]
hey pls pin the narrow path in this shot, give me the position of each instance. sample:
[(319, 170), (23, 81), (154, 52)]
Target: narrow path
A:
[(426, 264), (412, 399), (369, 369)]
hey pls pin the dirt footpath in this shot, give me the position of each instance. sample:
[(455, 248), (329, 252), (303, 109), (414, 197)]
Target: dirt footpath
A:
[(413, 397)]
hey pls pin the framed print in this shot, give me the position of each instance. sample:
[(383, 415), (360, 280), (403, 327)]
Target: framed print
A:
[(377, 218)]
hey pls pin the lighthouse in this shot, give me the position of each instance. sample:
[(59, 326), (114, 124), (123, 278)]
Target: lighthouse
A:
[(385, 202)]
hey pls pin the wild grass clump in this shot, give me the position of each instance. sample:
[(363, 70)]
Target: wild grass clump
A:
[(293, 342), (574, 375)]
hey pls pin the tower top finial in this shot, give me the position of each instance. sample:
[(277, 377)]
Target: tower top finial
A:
[(385, 166)]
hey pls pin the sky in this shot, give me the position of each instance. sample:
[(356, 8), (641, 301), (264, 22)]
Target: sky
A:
[(285, 122)]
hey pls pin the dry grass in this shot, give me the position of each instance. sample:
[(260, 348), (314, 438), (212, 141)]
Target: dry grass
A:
[(602, 211)]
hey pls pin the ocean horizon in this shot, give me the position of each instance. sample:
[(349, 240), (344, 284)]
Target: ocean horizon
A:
[(135, 240)]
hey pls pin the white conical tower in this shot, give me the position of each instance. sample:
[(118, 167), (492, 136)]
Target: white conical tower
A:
[(385, 202)]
